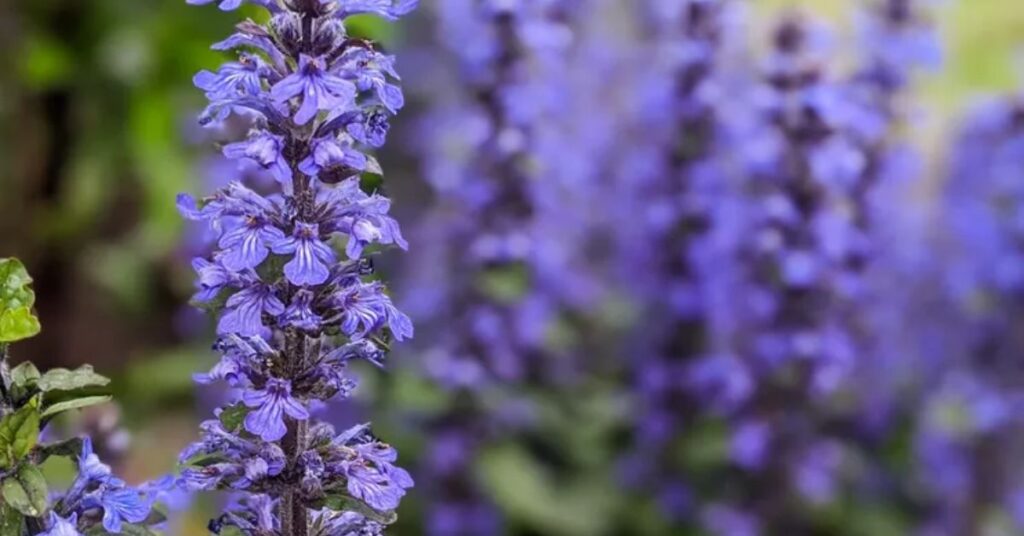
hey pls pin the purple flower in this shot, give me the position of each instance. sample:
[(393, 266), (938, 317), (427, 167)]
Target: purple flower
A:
[(364, 308), (389, 9), (233, 80), (248, 246), (212, 278), (120, 504), (269, 462), (372, 130), (312, 255), (241, 40), (331, 153), (379, 490), (315, 97), (300, 312), (58, 526), (316, 87), (265, 149), (243, 314), (271, 405), (369, 70), (364, 218), (90, 468), (225, 5)]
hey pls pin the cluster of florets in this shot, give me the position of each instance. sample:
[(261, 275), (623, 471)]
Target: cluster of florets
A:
[(790, 233), (97, 495), (671, 175), (969, 429), (293, 309), (798, 231), (481, 157), (352, 463), (901, 40), (498, 277)]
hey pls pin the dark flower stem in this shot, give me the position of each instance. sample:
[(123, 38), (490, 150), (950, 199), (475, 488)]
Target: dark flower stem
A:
[(292, 509), (292, 512)]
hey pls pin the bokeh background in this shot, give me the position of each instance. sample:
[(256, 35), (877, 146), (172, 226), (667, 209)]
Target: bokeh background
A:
[(98, 135)]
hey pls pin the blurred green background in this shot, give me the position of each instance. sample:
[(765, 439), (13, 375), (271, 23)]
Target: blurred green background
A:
[(97, 135)]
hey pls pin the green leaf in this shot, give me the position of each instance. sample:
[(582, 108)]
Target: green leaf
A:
[(11, 521), (19, 432), (26, 491), (507, 284), (272, 269), (18, 324), (233, 416), (16, 300), (14, 285), (344, 503), (25, 374), (75, 403), (68, 448), (523, 487), (68, 380)]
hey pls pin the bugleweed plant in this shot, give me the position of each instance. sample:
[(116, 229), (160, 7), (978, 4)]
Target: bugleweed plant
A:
[(293, 310), (97, 502)]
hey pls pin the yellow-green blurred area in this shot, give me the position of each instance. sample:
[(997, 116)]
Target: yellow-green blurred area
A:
[(97, 136)]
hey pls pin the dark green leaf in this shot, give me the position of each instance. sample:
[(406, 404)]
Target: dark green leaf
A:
[(11, 521), (69, 448), (26, 491), (19, 432), (156, 516), (25, 374), (68, 380), (273, 268), (233, 416), (203, 460), (75, 403), (53, 398), (344, 503)]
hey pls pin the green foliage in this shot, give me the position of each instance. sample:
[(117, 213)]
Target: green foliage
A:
[(507, 284), (61, 389), (25, 375), (26, 491), (69, 380), (522, 487), (16, 300), (68, 448), (19, 432), (11, 521), (344, 503), (75, 403), (233, 416)]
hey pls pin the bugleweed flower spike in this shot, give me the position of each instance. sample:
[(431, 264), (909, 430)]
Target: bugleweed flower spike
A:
[(680, 124), (294, 311)]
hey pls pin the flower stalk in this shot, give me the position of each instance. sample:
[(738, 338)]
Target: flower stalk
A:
[(294, 310)]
